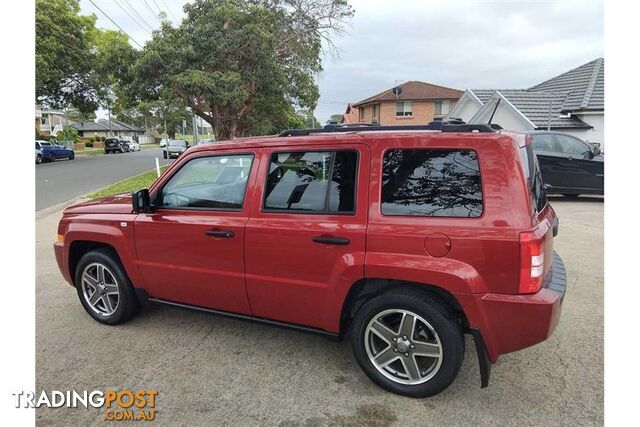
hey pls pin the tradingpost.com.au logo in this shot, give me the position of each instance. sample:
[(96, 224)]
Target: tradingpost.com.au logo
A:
[(120, 405)]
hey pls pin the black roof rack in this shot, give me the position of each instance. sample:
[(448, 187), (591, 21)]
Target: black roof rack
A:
[(452, 125)]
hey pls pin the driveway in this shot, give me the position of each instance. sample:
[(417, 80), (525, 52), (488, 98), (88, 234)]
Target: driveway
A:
[(65, 180), (211, 370)]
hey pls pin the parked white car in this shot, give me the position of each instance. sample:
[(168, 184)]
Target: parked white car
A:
[(133, 146), (163, 142)]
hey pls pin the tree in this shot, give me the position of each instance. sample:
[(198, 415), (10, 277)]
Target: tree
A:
[(63, 55), (335, 118), (241, 64), (75, 115)]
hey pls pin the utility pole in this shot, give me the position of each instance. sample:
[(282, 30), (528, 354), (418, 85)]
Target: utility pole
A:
[(109, 110)]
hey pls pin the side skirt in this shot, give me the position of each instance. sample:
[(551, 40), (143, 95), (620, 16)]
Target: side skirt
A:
[(332, 336)]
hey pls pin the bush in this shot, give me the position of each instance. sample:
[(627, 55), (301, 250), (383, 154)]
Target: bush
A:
[(92, 140), (103, 138), (89, 144)]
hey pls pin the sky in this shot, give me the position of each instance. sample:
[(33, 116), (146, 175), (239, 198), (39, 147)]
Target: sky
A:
[(481, 44)]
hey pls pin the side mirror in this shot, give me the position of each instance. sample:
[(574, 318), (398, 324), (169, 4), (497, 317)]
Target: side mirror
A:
[(595, 150), (140, 201)]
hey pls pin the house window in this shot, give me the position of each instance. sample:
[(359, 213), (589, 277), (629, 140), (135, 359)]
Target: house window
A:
[(375, 111), (404, 109), (441, 107)]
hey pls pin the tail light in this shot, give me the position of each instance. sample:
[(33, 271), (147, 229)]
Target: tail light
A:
[(531, 262)]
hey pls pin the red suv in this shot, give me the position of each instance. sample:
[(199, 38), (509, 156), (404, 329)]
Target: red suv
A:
[(403, 239)]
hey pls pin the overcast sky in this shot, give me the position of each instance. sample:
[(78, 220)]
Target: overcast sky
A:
[(455, 43)]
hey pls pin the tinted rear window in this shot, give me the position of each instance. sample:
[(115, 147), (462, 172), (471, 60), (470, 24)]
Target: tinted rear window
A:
[(431, 183), (534, 178)]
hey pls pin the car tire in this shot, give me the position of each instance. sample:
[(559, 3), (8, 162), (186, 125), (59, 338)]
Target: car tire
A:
[(164, 154), (38, 159), (72, 156), (113, 284), (398, 366)]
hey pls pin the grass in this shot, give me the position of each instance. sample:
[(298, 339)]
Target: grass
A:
[(128, 185), (90, 152)]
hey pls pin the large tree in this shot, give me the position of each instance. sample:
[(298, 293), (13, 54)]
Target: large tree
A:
[(63, 55), (242, 64)]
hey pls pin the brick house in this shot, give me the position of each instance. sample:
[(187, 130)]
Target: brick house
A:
[(414, 103), (351, 115)]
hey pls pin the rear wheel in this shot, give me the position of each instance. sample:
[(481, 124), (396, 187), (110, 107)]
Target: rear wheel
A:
[(72, 156), (38, 158), (104, 288), (408, 343)]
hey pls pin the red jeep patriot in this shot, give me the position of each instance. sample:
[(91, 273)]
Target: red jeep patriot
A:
[(404, 238)]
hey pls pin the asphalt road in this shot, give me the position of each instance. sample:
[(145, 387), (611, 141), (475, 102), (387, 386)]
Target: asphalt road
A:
[(214, 371), (64, 180)]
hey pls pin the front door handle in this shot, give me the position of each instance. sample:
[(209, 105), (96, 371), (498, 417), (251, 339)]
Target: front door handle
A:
[(220, 233), (329, 240)]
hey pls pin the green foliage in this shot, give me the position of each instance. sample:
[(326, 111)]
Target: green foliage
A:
[(103, 138), (77, 64), (238, 64), (92, 140), (63, 55), (335, 118), (78, 116), (68, 133), (89, 143)]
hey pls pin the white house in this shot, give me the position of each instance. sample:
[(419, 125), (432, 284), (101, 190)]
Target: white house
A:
[(572, 102)]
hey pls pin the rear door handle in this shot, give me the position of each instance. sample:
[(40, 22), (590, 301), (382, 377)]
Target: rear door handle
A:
[(220, 233), (331, 240)]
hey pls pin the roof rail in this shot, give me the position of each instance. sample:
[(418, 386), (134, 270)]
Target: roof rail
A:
[(455, 125)]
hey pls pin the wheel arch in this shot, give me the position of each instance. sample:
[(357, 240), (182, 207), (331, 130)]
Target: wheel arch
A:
[(365, 289), (78, 248)]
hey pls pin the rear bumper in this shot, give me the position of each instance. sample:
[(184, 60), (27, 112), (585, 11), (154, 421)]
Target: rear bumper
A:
[(512, 322)]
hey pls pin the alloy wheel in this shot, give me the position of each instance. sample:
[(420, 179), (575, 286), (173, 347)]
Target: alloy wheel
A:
[(100, 289), (403, 346)]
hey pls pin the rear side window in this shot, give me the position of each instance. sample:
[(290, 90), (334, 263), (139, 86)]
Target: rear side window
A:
[(534, 178), (312, 181), (431, 183)]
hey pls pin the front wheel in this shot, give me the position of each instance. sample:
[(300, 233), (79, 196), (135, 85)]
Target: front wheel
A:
[(72, 156), (408, 343), (38, 158), (104, 288)]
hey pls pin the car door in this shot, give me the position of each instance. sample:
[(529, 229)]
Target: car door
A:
[(585, 174), (305, 245), (190, 248)]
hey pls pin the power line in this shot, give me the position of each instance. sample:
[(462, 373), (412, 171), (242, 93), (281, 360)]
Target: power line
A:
[(114, 23), (138, 14), (152, 11), (131, 16), (159, 9), (167, 7)]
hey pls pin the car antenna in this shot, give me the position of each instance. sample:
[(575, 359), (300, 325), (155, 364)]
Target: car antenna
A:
[(494, 111)]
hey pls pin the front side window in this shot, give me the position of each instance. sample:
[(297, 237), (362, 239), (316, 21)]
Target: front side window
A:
[(217, 182), (404, 109), (572, 146), (419, 182), (312, 181)]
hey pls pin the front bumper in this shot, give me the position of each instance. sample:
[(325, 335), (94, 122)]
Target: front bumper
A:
[(61, 259), (174, 154), (512, 322)]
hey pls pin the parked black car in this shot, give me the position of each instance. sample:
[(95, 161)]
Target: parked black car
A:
[(175, 148), (115, 145), (569, 165)]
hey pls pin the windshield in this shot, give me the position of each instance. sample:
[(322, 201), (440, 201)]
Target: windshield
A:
[(177, 143)]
